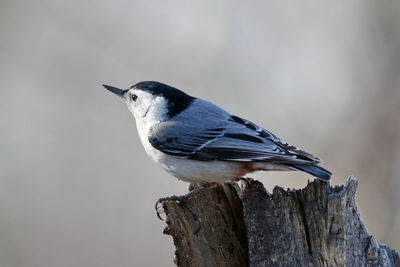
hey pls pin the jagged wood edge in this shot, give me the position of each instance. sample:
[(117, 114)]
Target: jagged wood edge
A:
[(195, 250)]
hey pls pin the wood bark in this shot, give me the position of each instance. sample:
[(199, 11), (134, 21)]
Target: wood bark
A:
[(244, 225)]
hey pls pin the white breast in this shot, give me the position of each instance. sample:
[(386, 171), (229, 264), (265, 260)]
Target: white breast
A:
[(186, 169)]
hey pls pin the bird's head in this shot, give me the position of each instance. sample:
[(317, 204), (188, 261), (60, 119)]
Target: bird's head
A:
[(153, 100)]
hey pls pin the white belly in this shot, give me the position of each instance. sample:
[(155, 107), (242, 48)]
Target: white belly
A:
[(201, 171), (206, 171), (193, 170)]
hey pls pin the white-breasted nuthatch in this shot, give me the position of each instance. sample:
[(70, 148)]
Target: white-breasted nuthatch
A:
[(197, 141)]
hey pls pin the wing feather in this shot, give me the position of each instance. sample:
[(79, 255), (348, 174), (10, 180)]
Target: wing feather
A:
[(234, 139)]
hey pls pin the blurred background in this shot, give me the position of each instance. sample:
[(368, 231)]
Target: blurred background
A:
[(76, 188)]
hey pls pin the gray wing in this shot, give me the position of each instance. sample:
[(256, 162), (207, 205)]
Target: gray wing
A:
[(230, 139)]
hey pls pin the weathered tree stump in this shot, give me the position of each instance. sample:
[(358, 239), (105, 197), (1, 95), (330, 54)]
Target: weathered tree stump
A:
[(247, 226)]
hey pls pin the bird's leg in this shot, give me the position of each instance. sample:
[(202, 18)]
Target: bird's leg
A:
[(182, 200)]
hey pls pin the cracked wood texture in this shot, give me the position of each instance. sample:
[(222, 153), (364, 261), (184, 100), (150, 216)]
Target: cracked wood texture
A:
[(244, 225)]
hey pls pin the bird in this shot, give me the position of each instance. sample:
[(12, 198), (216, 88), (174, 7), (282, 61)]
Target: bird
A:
[(200, 142)]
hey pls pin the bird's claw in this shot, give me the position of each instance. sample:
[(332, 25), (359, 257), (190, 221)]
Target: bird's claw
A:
[(244, 179), (158, 213), (159, 202), (182, 200)]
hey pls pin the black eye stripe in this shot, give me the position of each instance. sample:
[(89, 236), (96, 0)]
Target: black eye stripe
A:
[(180, 100), (134, 97)]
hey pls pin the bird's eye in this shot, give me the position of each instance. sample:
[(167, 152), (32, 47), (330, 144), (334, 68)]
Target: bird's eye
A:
[(134, 97)]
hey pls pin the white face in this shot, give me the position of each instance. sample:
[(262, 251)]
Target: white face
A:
[(146, 107)]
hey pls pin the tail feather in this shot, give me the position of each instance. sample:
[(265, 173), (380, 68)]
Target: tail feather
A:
[(313, 170)]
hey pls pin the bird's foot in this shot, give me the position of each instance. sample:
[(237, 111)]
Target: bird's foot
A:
[(182, 200), (244, 179)]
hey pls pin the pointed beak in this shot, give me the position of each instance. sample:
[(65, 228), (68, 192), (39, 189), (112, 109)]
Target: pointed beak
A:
[(115, 90)]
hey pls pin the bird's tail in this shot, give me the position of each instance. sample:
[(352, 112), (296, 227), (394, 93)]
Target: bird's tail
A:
[(313, 170)]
